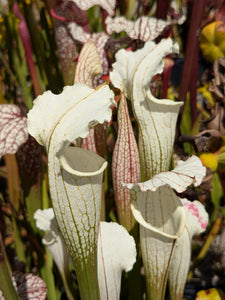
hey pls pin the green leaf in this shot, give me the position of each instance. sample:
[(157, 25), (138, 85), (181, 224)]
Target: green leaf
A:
[(6, 286), (48, 277), (216, 194)]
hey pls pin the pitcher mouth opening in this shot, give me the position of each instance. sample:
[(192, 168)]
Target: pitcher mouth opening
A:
[(139, 218), (81, 162)]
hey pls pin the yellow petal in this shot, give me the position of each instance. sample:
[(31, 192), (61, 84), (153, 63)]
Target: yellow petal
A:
[(212, 41), (211, 294), (209, 160)]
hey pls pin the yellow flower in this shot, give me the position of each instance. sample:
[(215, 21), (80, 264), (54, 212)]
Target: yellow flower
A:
[(212, 41), (211, 294), (209, 160)]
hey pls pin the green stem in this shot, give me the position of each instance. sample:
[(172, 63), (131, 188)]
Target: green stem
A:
[(65, 276), (13, 187), (34, 202), (88, 280), (3, 173), (25, 37), (6, 285), (68, 288), (130, 9), (16, 64), (18, 241), (45, 198), (47, 275)]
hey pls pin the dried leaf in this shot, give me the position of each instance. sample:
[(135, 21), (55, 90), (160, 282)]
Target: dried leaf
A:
[(208, 140), (217, 85), (13, 129), (217, 121), (100, 134)]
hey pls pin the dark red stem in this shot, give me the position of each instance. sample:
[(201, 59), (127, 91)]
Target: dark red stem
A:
[(193, 87), (166, 75), (191, 54), (162, 9), (25, 37)]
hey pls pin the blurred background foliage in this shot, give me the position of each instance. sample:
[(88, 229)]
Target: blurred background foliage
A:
[(38, 54)]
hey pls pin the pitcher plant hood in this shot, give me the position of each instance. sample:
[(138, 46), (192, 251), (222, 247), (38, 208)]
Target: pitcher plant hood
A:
[(75, 175)]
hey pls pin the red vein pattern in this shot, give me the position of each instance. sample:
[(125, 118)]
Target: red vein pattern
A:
[(186, 173), (125, 165), (132, 73), (88, 65), (67, 51), (145, 28), (13, 129), (88, 143), (107, 5), (29, 286), (100, 39)]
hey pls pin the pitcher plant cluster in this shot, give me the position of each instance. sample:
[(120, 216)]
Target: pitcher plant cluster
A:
[(99, 202)]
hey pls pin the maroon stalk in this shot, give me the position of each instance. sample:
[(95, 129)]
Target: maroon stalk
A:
[(25, 37), (193, 87), (162, 9), (166, 75), (191, 54)]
